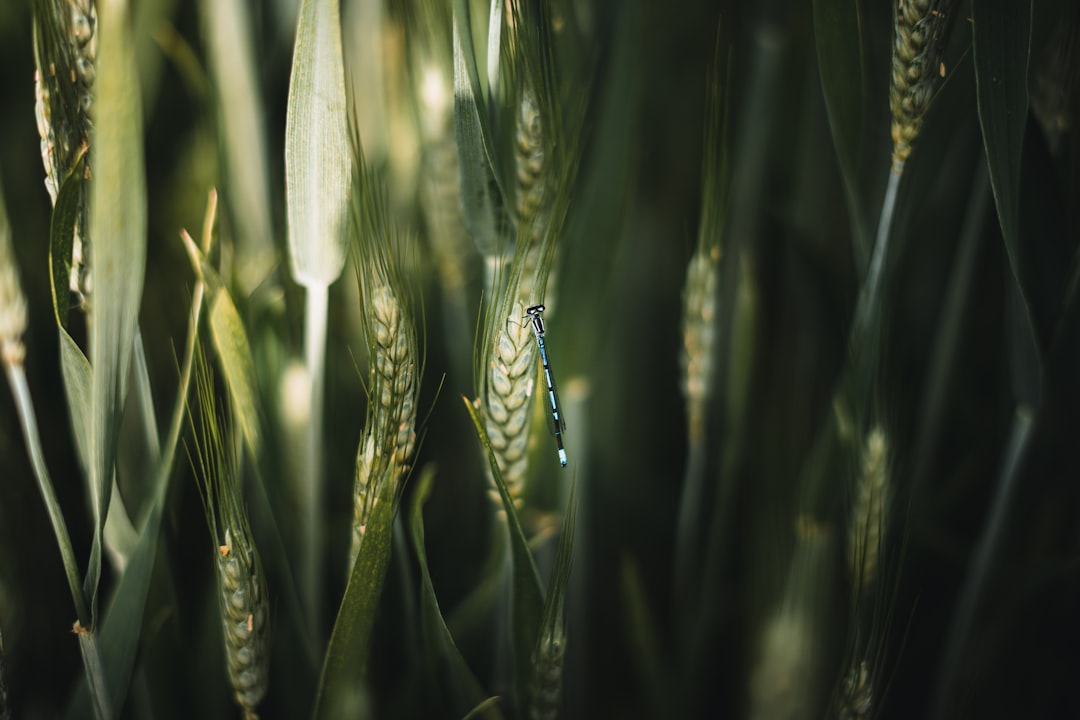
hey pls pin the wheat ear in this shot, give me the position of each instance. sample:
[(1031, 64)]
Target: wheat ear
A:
[(856, 693), (699, 336), (65, 49), (390, 430), (243, 598), (548, 662), (919, 31), (868, 512), (529, 158), (510, 383)]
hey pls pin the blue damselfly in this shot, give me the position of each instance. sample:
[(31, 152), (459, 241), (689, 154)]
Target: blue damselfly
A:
[(534, 315)]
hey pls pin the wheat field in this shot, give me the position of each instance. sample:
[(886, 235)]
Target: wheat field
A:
[(539, 359)]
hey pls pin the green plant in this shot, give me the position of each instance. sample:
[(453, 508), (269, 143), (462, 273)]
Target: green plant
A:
[(810, 274)]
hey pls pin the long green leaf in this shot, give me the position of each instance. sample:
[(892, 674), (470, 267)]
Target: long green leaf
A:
[(460, 689), (527, 598), (838, 35), (479, 204), (1001, 38), (122, 626), (317, 156), (118, 252), (339, 693)]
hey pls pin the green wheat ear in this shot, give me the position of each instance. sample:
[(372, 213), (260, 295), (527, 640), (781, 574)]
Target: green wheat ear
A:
[(919, 29), (380, 257), (65, 50), (869, 511), (243, 598)]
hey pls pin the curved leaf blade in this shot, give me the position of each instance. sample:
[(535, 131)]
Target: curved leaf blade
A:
[(838, 36), (527, 599), (339, 694), (1001, 39), (460, 689), (117, 251)]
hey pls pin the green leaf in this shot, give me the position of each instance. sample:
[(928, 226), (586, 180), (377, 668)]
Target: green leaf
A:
[(78, 390), (227, 32), (1001, 37), (122, 627), (340, 684), (69, 204), (91, 655), (527, 599), (317, 157), (117, 251), (233, 350), (460, 693), (838, 34), (479, 184)]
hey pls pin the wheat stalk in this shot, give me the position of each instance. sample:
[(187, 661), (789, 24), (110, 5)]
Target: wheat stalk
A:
[(919, 28)]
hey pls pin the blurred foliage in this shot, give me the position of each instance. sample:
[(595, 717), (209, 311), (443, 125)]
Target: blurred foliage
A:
[(977, 385)]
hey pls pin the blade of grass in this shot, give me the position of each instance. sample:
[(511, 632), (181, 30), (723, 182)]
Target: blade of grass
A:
[(527, 599), (118, 252), (339, 694), (838, 36), (233, 349), (122, 626), (1001, 37), (479, 202), (460, 689)]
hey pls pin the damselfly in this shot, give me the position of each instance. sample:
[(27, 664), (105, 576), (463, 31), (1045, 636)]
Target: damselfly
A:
[(534, 315)]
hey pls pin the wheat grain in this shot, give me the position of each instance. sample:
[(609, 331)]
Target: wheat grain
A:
[(919, 31)]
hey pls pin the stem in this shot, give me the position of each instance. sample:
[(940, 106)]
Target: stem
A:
[(318, 298), (21, 391), (872, 285)]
